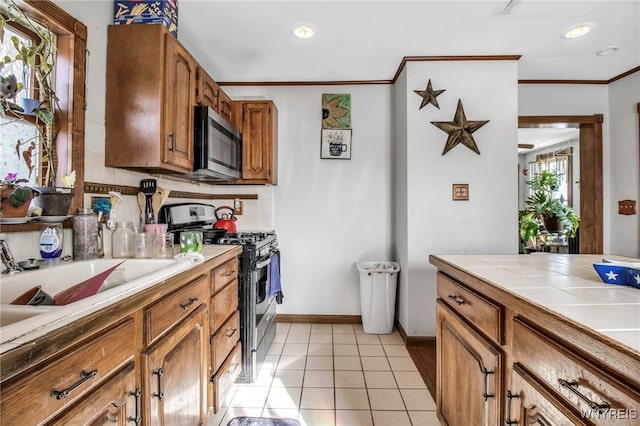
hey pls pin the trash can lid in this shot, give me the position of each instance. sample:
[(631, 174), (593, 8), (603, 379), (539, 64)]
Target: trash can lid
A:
[(378, 267)]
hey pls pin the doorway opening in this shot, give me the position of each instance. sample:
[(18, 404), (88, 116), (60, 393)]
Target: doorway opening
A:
[(589, 175)]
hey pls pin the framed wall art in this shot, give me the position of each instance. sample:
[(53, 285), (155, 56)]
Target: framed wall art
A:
[(335, 144)]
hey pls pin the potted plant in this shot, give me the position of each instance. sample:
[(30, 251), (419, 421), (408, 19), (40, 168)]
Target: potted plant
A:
[(37, 60), (14, 198), (544, 206)]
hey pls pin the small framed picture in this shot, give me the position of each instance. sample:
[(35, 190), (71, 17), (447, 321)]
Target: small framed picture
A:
[(460, 192), (335, 144)]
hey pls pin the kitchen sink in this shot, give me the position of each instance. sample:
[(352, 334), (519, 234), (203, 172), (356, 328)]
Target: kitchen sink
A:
[(56, 279), (17, 322), (14, 313)]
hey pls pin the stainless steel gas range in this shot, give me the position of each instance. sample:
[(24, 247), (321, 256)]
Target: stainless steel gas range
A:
[(257, 307)]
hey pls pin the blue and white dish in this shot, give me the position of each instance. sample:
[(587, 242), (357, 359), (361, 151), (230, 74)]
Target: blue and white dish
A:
[(610, 273)]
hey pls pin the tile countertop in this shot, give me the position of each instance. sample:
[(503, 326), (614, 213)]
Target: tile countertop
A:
[(566, 285), (19, 333)]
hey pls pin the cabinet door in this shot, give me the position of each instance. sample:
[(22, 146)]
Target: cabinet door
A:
[(175, 374), (117, 402), (208, 90), (529, 403), (180, 89), (257, 142), (469, 373), (224, 105)]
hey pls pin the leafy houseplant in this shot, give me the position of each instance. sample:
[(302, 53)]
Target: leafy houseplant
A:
[(544, 206), (37, 59)]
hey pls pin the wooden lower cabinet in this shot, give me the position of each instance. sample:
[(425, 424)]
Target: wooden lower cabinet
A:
[(529, 403), (226, 351), (175, 374), (469, 373), (144, 361), (543, 370), (45, 391), (116, 402)]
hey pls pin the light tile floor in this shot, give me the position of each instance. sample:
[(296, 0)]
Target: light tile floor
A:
[(334, 375)]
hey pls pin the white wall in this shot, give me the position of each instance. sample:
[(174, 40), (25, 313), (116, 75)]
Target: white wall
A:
[(329, 213), (436, 224), (624, 95)]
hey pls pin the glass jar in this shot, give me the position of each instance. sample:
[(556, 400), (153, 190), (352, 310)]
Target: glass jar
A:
[(122, 240), (144, 245), (85, 235)]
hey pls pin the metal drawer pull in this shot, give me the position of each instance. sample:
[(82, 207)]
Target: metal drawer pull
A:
[(458, 300), (159, 372), (485, 394), (573, 387), (137, 419), (228, 274), (233, 331), (187, 305), (509, 397), (84, 376)]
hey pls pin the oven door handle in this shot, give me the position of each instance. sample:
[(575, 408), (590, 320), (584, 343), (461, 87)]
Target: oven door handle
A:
[(262, 263)]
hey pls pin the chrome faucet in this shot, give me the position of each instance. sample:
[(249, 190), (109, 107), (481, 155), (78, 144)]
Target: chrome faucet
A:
[(7, 259)]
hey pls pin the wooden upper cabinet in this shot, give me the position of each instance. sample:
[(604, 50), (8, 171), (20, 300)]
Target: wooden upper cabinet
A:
[(258, 123), (208, 90), (151, 92), (225, 106)]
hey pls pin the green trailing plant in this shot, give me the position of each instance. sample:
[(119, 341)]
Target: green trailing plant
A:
[(544, 205), (39, 59)]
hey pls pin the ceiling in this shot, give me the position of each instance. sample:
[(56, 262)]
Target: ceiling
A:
[(252, 41), (543, 138)]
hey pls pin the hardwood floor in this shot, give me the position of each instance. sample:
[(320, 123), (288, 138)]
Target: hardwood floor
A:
[(424, 356)]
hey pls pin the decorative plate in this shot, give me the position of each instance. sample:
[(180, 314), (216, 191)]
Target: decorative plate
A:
[(53, 219), (15, 220)]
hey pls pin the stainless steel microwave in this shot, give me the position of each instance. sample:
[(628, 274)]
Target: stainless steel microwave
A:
[(217, 147)]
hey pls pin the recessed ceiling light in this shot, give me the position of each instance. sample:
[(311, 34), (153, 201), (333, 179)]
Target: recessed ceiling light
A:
[(304, 30), (607, 50), (578, 30)]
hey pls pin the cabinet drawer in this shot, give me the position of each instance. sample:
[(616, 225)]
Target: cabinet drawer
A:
[(226, 376), (45, 390), (116, 399), (483, 314), (574, 379), (224, 340), (166, 313), (223, 275), (224, 304)]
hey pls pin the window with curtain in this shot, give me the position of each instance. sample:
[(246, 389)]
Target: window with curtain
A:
[(560, 163)]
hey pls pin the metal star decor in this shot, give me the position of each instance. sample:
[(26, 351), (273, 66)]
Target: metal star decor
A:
[(429, 96), (460, 130)]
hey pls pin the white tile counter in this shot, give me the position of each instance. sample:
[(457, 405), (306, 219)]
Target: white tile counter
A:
[(565, 285)]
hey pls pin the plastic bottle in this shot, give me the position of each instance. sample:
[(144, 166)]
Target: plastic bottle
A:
[(122, 240), (51, 241)]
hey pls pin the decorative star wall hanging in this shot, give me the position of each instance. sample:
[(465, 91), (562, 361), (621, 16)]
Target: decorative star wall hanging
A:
[(429, 96), (460, 130)]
